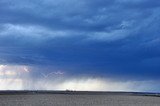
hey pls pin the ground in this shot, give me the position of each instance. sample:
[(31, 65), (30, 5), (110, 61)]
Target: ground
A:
[(78, 99)]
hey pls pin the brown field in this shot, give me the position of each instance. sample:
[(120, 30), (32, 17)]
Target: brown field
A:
[(78, 99)]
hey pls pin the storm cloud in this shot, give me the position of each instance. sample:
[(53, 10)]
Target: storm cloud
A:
[(118, 39)]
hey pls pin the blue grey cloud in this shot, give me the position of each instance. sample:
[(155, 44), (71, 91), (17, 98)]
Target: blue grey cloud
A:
[(117, 38)]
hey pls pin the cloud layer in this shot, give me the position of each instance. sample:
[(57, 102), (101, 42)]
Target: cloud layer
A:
[(21, 77), (116, 39)]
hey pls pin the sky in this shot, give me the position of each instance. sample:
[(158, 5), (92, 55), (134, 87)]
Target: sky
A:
[(95, 45)]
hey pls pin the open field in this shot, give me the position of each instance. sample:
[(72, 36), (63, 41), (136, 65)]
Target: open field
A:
[(68, 98)]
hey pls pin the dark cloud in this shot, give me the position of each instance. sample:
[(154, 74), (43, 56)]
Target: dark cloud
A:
[(117, 38)]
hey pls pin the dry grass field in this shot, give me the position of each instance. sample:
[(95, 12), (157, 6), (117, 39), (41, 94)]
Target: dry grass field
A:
[(77, 99)]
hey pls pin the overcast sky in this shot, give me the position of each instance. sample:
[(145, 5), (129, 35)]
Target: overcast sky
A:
[(81, 40)]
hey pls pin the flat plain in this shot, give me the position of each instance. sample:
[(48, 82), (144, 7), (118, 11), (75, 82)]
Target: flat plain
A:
[(78, 99)]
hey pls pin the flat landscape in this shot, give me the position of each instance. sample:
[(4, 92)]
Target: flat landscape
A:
[(72, 98)]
